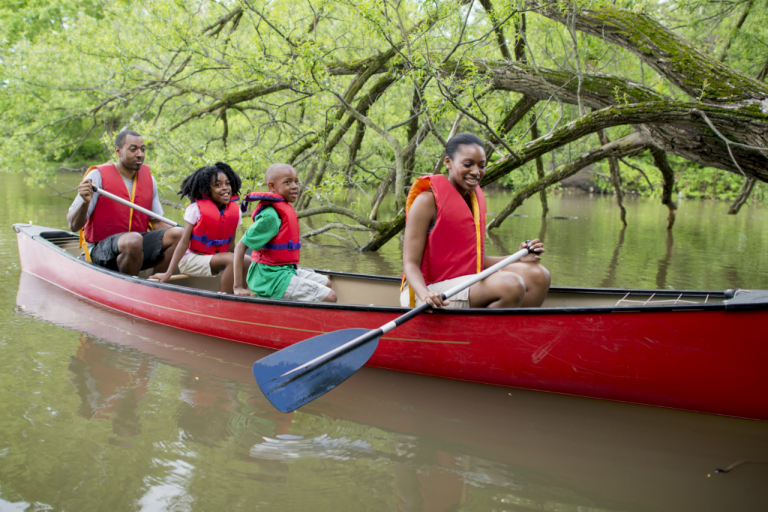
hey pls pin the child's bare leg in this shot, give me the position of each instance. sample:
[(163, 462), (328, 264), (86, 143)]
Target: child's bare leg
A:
[(331, 297), (224, 262)]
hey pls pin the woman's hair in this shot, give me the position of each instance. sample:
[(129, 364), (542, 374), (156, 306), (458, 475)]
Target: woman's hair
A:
[(198, 184), (461, 139)]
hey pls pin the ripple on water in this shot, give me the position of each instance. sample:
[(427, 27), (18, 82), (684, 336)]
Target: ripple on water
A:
[(291, 448)]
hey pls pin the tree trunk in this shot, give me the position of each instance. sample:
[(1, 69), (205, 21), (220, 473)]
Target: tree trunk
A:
[(660, 159), (540, 169), (746, 190), (613, 165)]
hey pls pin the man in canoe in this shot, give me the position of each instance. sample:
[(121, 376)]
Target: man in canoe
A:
[(113, 235), (444, 240), (275, 240)]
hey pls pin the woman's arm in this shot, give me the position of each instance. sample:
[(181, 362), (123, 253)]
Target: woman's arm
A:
[(181, 248), (536, 245), (421, 215)]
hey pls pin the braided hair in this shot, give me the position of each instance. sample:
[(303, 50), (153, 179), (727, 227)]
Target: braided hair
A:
[(198, 184)]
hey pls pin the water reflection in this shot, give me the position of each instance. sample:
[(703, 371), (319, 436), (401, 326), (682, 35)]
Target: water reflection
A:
[(110, 385), (665, 262), (613, 265), (195, 432)]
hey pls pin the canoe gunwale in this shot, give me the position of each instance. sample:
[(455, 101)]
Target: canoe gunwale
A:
[(37, 233)]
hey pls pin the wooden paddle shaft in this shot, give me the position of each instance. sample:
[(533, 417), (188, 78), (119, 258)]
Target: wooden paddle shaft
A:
[(136, 207), (360, 340)]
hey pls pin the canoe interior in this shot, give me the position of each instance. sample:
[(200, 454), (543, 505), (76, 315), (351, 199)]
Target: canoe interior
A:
[(385, 291)]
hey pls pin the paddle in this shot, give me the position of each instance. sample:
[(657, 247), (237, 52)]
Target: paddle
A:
[(307, 370), (129, 204)]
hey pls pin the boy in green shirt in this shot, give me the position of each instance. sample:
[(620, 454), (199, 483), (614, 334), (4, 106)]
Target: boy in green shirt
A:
[(275, 239)]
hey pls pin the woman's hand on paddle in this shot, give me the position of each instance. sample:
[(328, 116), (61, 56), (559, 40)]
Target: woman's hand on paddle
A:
[(240, 290), (434, 299), (536, 246)]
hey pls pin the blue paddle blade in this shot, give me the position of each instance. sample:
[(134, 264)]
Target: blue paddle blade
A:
[(289, 392)]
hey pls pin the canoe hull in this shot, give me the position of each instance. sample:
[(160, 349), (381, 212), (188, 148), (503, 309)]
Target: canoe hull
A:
[(705, 360)]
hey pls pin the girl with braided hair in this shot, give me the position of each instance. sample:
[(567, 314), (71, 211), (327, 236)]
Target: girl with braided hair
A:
[(211, 222)]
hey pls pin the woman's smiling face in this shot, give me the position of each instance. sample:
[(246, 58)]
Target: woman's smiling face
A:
[(467, 167)]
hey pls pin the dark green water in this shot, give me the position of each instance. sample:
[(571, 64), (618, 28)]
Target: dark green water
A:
[(101, 411)]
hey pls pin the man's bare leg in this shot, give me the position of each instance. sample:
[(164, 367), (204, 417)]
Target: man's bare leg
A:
[(130, 253), (171, 238)]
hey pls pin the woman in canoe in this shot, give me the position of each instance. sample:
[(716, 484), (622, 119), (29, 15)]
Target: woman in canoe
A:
[(445, 240)]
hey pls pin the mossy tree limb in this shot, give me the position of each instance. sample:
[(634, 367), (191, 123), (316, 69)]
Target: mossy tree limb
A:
[(613, 165), (698, 75), (628, 145), (741, 199), (660, 159)]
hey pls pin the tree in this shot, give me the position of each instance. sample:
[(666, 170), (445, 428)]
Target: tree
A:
[(318, 84)]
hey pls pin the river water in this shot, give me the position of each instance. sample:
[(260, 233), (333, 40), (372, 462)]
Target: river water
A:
[(102, 411)]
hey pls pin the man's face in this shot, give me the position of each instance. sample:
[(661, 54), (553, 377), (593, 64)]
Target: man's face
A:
[(131, 155)]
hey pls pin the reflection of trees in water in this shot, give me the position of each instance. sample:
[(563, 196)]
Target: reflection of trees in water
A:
[(610, 277), (664, 263)]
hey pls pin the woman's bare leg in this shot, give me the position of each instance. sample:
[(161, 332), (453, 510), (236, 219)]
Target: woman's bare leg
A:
[(499, 290), (536, 278)]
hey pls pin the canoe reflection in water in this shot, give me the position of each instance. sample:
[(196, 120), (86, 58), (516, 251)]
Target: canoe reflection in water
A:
[(387, 440)]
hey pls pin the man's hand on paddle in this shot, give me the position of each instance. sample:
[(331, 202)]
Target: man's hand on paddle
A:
[(85, 189), (536, 246)]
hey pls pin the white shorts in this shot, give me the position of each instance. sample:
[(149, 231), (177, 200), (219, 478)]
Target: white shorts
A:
[(458, 301), (197, 265), (307, 286)]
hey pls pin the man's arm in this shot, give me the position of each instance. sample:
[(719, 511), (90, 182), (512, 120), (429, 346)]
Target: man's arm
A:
[(76, 217)]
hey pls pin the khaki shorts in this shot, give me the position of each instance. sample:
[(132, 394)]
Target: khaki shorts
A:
[(458, 301), (197, 265), (307, 286)]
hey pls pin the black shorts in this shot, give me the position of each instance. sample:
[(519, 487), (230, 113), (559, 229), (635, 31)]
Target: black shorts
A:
[(104, 253)]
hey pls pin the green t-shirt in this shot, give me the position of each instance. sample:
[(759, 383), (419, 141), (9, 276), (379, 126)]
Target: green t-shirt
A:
[(266, 280)]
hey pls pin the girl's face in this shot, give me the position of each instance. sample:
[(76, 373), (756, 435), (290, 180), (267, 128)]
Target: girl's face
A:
[(466, 168), (221, 189)]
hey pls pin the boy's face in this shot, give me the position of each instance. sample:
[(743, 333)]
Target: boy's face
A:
[(285, 182)]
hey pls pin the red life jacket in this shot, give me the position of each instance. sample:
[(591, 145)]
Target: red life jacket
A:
[(283, 249), (216, 228), (456, 244), (110, 217)]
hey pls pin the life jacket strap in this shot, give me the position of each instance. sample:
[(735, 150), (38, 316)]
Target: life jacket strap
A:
[(290, 246), (212, 241)]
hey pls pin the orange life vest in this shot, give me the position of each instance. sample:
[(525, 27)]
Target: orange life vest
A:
[(456, 243), (216, 228), (110, 217), (283, 249)]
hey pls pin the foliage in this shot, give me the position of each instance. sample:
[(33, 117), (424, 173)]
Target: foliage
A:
[(254, 82)]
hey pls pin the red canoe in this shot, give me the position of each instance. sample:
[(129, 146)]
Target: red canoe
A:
[(691, 350)]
